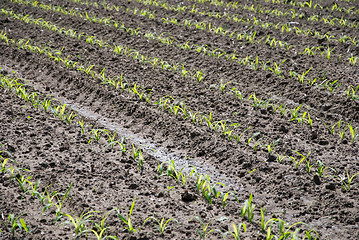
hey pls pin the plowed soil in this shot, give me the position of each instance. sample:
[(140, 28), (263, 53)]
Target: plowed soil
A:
[(106, 179)]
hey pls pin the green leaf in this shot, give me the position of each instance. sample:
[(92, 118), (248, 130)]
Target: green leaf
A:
[(23, 224)]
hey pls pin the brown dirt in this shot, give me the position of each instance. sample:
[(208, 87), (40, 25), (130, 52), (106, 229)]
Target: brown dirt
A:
[(104, 178)]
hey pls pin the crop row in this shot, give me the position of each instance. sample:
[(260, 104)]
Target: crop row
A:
[(83, 222), (179, 107), (223, 31), (295, 114), (330, 85), (256, 21), (118, 49)]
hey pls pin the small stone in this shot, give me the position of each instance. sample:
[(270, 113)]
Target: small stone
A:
[(187, 197), (330, 186), (316, 179)]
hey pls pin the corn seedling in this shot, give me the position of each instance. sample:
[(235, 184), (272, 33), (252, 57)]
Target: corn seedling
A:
[(60, 201), (46, 103), (224, 197), (79, 223), (346, 182), (95, 134), (276, 68), (280, 157), (236, 231), (248, 209), (308, 166), (222, 85), (129, 227), (320, 168), (331, 86), (4, 161), (69, 117), (161, 224), (137, 153), (100, 229), (23, 181), (204, 231), (34, 188), (81, 124), (17, 223), (298, 162), (270, 147), (353, 134), (252, 137)]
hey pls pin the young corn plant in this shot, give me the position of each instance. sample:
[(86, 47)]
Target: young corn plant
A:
[(81, 124), (4, 161), (320, 168), (276, 68), (270, 147), (80, 223), (95, 134), (100, 229), (137, 153), (204, 231), (58, 203), (248, 209), (353, 133), (23, 183), (17, 223), (346, 182), (236, 231), (161, 224), (298, 162), (127, 221), (222, 85)]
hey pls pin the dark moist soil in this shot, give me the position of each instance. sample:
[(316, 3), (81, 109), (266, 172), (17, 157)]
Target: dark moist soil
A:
[(104, 178)]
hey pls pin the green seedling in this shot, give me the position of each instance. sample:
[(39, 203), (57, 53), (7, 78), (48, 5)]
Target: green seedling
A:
[(224, 197), (17, 223), (331, 86), (280, 157), (111, 137), (100, 229), (298, 162), (95, 134), (46, 104), (23, 181), (347, 182), (81, 123), (320, 168), (222, 85), (204, 231), (252, 137), (79, 223), (4, 161), (161, 224), (276, 68), (58, 204), (248, 209), (308, 166), (270, 147), (69, 117), (129, 227), (236, 231), (353, 134), (137, 153)]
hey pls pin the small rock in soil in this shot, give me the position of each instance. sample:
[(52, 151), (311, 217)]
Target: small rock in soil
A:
[(330, 186), (316, 179), (187, 197)]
